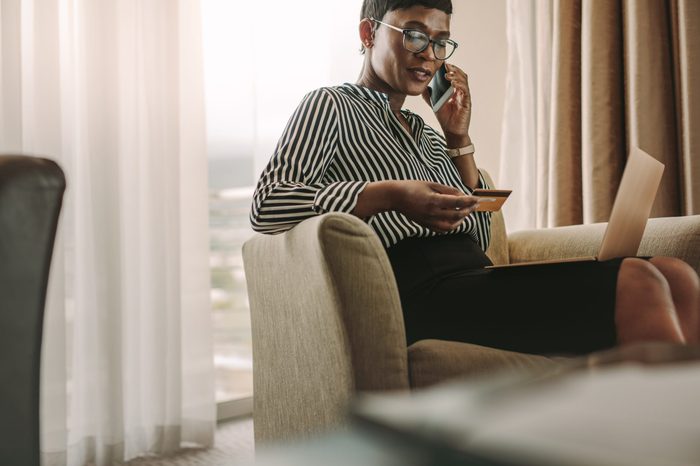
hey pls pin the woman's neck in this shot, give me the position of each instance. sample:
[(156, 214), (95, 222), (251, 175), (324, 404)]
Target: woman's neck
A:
[(369, 79)]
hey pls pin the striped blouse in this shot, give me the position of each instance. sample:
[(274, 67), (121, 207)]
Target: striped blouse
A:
[(337, 141)]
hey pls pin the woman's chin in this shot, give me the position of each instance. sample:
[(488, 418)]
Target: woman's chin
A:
[(414, 89)]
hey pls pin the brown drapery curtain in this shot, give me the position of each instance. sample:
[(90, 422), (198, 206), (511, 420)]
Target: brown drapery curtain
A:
[(623, 73)]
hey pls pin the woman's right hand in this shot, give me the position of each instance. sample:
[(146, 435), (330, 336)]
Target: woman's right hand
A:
[(435, 206), (432, 205)]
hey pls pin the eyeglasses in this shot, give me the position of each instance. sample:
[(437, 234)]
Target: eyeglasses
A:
[(416, 41)]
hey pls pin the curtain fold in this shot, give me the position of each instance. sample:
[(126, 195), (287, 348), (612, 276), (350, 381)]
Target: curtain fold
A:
[(614, 75), (685, 15), (650, 99), (544, 24), (603, 147), (113, 92), (564, 190), (523, 124)]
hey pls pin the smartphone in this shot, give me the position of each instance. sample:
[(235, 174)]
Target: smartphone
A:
[(440, 89), (490, 200)]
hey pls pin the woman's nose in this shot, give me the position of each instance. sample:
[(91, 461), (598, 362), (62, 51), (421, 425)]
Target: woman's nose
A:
[(428, 53)]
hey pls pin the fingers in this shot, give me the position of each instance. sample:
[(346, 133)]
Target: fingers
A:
[(457, 77), (436, 206), (454, 202), (444, 189), (459, 80), (452, 213), (448, 220)]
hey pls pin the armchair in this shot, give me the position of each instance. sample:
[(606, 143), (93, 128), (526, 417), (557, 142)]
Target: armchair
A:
[(327, 322)]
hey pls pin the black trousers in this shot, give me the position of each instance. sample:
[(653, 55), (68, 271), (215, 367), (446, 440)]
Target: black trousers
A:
[(446, 293)]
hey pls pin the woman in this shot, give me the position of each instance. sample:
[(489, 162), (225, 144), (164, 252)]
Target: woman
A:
[(352, 148)]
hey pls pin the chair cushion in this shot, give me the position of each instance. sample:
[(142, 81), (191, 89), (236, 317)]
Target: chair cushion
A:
[(666, 236), (435, 361)]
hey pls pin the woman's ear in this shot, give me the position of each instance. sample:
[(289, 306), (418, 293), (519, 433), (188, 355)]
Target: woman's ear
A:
[(367, 33)]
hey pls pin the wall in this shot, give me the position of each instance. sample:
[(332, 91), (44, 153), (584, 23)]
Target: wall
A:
[(479, 27)]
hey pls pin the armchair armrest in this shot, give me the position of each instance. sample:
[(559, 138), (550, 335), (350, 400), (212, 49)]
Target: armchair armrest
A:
[(325, 309), (668, 236)]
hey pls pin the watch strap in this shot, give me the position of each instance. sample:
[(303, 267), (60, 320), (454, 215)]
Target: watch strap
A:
[(458, 152)]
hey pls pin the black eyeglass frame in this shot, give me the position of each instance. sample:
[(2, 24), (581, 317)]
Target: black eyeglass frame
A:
[(431, 42)]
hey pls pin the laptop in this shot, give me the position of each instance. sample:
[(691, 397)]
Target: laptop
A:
[(629, 215)]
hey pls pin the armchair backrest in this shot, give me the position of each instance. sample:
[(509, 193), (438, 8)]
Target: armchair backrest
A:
[(31, 192), (498, 248), (326, 321)]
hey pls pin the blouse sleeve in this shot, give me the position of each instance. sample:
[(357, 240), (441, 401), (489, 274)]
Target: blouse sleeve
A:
[(291, 188)]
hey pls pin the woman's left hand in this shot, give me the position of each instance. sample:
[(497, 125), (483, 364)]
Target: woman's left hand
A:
[(455, 115)]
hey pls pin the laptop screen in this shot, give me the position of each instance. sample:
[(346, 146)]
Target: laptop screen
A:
[(632, 206)]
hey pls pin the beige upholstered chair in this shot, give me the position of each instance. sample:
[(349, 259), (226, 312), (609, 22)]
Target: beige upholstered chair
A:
[(327, 320)]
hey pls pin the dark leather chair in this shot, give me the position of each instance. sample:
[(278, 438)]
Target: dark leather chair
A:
[(31, 193)]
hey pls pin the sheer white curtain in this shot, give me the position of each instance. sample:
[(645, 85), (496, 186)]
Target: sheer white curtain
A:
[(112, 90), (526, 121)]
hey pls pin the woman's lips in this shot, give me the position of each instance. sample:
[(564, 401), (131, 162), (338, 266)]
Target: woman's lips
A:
[(420, 74)]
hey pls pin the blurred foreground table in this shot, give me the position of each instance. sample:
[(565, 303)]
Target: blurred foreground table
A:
[(619, 413)]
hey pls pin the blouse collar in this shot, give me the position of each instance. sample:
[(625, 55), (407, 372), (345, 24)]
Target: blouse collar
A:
[(367, 93)]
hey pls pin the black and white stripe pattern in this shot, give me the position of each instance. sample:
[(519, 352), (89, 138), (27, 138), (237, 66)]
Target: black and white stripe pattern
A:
[(338, 140)]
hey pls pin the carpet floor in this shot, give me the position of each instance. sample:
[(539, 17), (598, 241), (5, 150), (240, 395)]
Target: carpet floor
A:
[(234, 445)]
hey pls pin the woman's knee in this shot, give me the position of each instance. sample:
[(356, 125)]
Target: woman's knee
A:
[(644, 308), (640, 276), (678, 273)]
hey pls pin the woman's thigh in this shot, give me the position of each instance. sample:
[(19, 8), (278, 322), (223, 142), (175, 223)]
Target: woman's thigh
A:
[(544, 309)]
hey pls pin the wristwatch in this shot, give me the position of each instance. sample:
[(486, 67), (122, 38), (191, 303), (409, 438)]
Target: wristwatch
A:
[(466, 150)]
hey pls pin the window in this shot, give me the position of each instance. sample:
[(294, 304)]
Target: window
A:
[(257, 68)]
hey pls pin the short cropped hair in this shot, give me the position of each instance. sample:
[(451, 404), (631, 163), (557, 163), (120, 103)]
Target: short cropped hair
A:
[(378, 8)]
